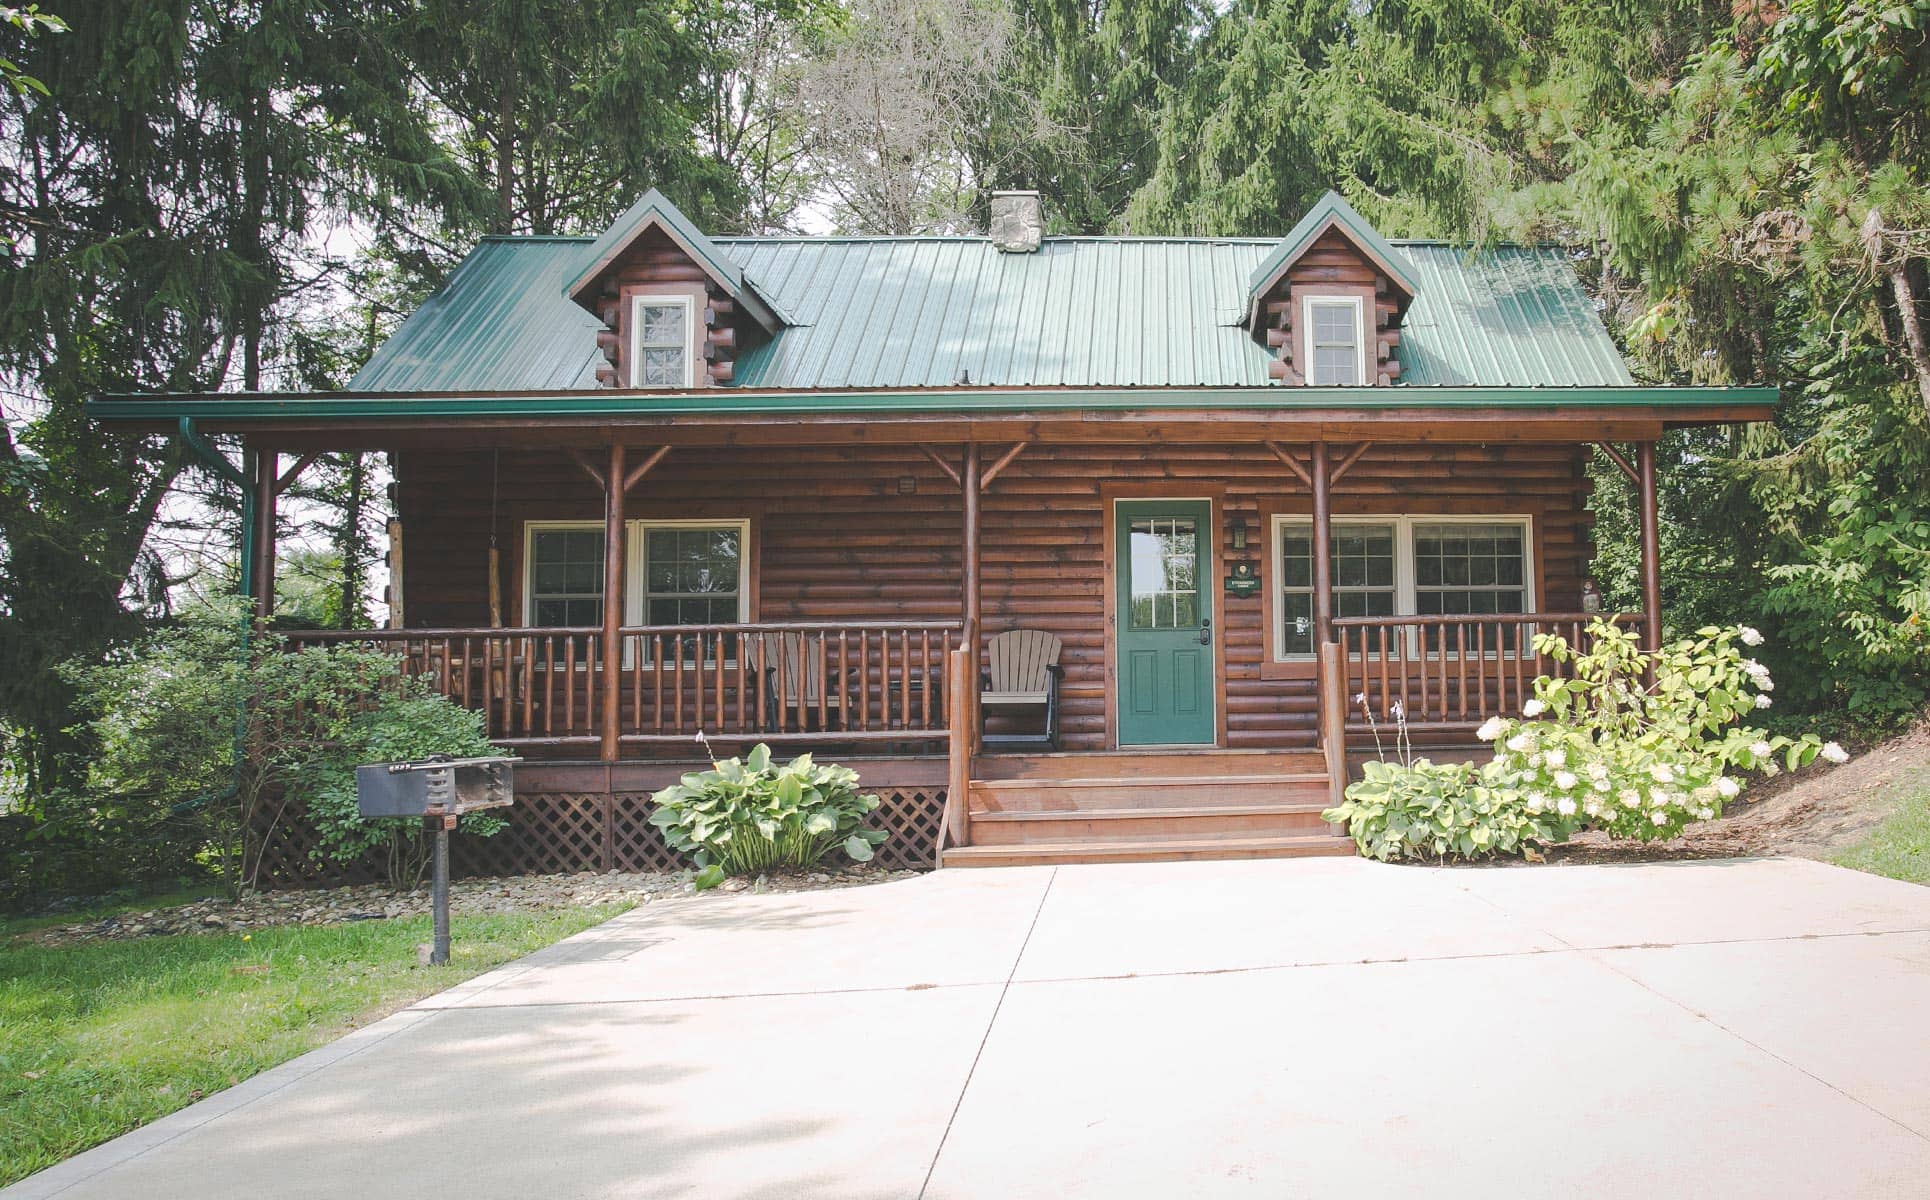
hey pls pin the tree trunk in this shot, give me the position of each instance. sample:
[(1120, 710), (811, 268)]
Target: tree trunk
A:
[(1896, 266)]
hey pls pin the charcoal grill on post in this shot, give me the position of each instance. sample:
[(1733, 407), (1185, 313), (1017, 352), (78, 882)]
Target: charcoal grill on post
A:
[(439, 789)]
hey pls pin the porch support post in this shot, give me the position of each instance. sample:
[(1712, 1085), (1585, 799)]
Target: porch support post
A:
[(613, 592), (267, 463), (1323, 551), (1651, 549), (969, 485)]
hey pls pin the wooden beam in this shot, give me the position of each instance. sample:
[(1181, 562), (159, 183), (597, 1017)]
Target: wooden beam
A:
[(968, 564), (591, 469), (1349, 461), (1286, 456), (293, 473), (992, 472), (951, 472), (265, 493), (1323, 550), (1615, 456), (613, 592), (643, 468), (1651, 549)]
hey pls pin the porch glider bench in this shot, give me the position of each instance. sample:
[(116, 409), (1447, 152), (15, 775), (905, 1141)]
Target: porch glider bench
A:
[(1022, 675)]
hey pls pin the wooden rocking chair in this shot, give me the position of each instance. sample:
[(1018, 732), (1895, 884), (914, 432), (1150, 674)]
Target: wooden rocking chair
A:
[(1022, 674)]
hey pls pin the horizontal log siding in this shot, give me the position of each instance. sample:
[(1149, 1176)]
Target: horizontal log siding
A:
[(835, 540)]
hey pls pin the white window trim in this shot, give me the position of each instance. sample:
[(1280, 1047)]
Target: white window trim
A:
[(690, 334), (634, 544), (1307, 305), (1404, 586)]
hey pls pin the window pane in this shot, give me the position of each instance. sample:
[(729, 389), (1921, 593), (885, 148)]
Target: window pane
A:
[(1335, 367), (662, 367), (1477, 568), (1333, 325), (662, 324), (566, 577), (1164, 580), (692, 576)]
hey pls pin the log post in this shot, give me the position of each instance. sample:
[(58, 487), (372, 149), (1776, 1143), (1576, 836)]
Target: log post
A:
[(1323, 551), (1333, 719), (968, 570), (1651, 550), (961, 690), (267, 463), (613, 592)]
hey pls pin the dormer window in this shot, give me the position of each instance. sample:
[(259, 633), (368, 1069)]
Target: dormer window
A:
[(661, 343), (1336, 351)]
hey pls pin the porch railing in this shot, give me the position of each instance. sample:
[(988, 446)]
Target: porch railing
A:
[(839, 683), (1450, 671)]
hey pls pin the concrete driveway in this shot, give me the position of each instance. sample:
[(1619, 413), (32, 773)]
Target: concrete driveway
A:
[(1286, 1028)]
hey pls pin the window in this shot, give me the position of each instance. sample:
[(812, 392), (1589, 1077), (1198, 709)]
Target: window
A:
[(1387, 566), (679, 573), (1335, 356), (1364, 576), (1165, 574), (565, 576), (661, 330)]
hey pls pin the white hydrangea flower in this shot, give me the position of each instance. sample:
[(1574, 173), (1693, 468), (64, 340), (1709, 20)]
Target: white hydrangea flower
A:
[(1835, 753), (1533, 708), (1762, 701), (1705, 812), (1565, 807), (1660, 818), (1729, 788), (1536, 802), (1600, 785), (1754, 669), (1566, 781), (1598, 770), (1658, 798), (1558, 757), (1750, 636), (1534, 762), (1630, 798), (1762, 749), (1662, 773), (1593, 808), (1490, 729), (1520, 742)]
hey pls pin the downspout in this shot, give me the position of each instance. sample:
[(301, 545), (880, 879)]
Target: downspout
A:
[(218, 462)]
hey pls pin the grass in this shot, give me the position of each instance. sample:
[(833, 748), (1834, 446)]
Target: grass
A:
[(1900, 846), (102, 1037)]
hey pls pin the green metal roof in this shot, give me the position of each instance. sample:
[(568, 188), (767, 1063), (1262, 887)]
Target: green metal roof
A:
[(900, 313)]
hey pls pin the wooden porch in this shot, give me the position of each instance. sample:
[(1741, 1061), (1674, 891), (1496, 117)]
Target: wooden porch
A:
[(900, 697)]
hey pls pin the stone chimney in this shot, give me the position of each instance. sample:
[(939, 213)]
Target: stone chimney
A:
[(1018, 222)]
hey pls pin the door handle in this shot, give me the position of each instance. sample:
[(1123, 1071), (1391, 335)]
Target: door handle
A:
[(1206, 631)]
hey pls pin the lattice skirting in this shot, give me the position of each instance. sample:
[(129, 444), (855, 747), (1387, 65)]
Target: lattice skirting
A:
[(560, 832)]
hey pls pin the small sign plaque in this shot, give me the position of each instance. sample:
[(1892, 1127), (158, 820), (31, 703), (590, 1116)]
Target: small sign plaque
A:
[(1243, 582)]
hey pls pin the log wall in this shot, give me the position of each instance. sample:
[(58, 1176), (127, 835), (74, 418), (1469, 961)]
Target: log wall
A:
[(836, 537)]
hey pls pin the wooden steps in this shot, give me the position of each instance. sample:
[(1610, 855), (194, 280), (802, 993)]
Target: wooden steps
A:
[(1157, 850), (1146, 806)]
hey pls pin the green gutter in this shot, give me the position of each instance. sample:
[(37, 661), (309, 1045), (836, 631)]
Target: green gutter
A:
[(727, 401)]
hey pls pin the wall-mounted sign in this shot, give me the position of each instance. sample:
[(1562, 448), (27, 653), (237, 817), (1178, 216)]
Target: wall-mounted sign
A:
[(1243, 582)]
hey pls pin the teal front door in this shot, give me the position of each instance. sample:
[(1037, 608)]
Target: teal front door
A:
[(1164, 622)]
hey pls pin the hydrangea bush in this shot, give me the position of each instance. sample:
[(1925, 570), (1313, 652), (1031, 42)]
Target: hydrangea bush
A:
[(1632, 743)]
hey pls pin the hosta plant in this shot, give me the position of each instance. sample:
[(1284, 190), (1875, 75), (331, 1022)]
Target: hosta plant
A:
[(1633, 743), (747, 815)]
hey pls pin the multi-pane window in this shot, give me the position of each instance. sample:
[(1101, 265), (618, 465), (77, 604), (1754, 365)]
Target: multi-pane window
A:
[(660, 342), (1364, 577), (1333, 338), (692, 574), (1165, 573), (566, 577), (1387, 566)]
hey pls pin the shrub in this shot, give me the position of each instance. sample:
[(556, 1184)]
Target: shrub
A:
[(198, 729), (1635, 744), (746, 815)]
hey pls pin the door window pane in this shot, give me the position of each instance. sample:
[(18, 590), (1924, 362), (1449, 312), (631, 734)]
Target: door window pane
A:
[(1164, 577)]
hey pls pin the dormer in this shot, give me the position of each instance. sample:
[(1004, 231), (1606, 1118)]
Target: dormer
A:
[(676, 309), (1329, 300)]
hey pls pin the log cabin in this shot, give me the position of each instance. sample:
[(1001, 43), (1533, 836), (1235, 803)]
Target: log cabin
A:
[(1251, 497)]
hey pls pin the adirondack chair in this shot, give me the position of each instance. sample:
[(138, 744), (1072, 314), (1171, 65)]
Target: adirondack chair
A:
[(793, 678), (1022, 674)]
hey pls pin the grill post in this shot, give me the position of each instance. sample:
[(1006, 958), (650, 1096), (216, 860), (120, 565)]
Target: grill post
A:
[(439, 953)]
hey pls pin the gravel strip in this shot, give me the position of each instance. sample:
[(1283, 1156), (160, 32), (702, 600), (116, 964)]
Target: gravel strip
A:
[(376, 902)]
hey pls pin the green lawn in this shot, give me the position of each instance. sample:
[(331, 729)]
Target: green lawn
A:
[(99, 1038), (1900, 846)]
